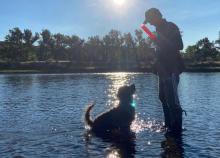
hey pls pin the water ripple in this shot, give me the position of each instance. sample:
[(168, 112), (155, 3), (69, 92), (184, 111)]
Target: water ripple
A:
[(42, 115)]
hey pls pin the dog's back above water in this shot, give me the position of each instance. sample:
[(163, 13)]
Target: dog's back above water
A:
[(118, 118)]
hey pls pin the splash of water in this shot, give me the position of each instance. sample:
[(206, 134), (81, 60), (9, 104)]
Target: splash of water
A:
[(140, 125), (113, 154), (87, 127)]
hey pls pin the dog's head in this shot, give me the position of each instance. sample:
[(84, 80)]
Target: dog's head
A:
[(126, 92)]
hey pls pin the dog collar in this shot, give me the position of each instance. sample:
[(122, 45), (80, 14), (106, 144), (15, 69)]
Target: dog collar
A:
[(133, 104)]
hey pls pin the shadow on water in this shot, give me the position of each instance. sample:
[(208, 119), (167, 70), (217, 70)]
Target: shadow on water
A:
[(122, 145), (172, 147)]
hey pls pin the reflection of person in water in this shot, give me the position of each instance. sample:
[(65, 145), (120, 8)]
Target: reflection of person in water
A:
[(169, 66), (173, 147)]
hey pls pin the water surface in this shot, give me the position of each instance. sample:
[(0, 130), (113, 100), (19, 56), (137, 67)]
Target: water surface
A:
[(42, 115)]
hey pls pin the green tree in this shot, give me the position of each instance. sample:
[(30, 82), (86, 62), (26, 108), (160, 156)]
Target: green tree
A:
[(5, 48), (113, 44), (190, 53), (60, 46), (145, 54), (14, 45), (203, 50), (130, 49), (206, 50), (46, 45), (107, 48), (218, 48), (29, 50), (75, 48), (94, 49)]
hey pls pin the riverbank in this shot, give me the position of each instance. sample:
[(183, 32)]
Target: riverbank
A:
[(70, 67), (203, 66)]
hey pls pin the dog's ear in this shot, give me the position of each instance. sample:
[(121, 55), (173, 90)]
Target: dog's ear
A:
[(133, 89), (120, 90)]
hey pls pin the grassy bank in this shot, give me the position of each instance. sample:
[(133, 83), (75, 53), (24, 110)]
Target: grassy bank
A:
[(70, 67), (206, 66)]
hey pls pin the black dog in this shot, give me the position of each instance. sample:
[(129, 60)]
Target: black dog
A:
[(119, 118)]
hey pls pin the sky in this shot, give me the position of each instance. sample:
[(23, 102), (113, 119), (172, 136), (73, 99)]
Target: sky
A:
[(195, 18)]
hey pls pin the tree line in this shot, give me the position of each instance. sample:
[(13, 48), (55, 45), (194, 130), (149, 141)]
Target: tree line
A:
[(203, 50), (113, 48)]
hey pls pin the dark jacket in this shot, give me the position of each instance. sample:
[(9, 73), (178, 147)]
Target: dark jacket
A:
[(169, 43)]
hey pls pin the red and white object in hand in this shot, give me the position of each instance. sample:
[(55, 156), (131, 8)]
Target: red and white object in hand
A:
[(148, 32)]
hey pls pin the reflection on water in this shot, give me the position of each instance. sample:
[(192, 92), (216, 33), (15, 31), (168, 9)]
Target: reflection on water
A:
[(121, 145), (117, 80), (139, 125), (122, 149), (173, 147), (42, 116)]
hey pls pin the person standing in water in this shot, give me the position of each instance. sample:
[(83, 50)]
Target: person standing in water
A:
[(169, 65)]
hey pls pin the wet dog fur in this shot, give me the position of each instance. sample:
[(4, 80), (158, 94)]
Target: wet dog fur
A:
[(118, 118)]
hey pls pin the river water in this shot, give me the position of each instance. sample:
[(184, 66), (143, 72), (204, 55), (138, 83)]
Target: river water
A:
[(42, 116)]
